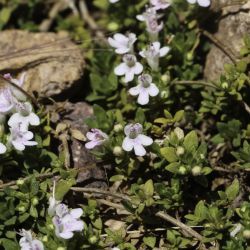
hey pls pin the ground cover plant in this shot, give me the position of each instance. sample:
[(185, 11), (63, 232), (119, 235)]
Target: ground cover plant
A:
[(170, 143)]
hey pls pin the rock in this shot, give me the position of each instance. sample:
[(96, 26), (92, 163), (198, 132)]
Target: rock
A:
[(53, 63), (73, 114), (234, 24)]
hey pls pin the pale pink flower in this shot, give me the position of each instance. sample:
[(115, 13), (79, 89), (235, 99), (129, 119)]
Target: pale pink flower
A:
[(153, 53), (135, 139), (123, 44), (96, 137), (144, 89), (160, 4), (129, 67), (67, 221), (28, 243)]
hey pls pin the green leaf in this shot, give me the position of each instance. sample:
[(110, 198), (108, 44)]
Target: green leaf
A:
[(150, 241), (173, 167), (140, 116), (5, 14), (191, 141), (62, 188), (118, 177), (200, 210), (233, 190), (9, 244), (169, 154), (179, 115)]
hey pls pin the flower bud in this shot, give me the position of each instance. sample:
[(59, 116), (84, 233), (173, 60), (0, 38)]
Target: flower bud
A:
[(20, 182), (196, 170), (182, 170), (224, 85), (165, 78), (117, 151), (118, 128), (180, 151), (93, 239), (179, 133), (246, 234), (61, 248), (113, 26), (34, 201), (190, 56), (164, 94)]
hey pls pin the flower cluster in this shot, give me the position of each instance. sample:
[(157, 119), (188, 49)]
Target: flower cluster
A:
[(28, 243), (130, 67), (18, 111), (163, 4), (65, 220)]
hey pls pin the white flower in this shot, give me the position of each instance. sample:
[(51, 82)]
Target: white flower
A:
[(66, 222), (129, 68), (25, 116), (135, 139), (20, 138), (160, 4), (28, 243), (7, 102), (114, 1), (19, 82), (203, 3), (2, 148), (123, 44), (153, 53), (115, 248), (96, 137), (144, 89), (150, 17)]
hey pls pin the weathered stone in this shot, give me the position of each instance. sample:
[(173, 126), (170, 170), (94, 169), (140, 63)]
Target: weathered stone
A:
[(53, 63), (74, 114), (234, 24)]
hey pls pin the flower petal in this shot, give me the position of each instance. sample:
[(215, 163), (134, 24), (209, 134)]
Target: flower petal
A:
[(143, 97), (129, 76), (34, 119), (134, 91), (127, 144), (122, 50), (145, 140), (156, 46), (121, 69), (153, 90), (92, 144), (164, 51), (138, 68), (204, 3), (2, 148), (139, 150), (76, 213), (113, 43)]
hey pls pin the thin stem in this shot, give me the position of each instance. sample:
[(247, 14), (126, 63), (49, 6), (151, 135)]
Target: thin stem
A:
[(198, 82), (100, 191), (13, 183), (186, 228)]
